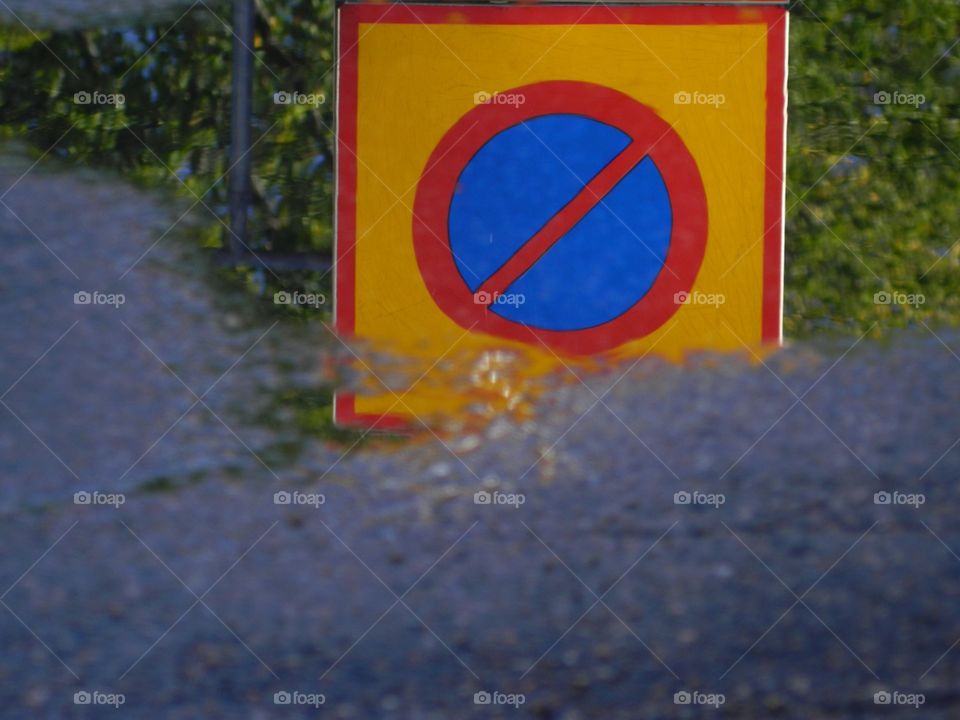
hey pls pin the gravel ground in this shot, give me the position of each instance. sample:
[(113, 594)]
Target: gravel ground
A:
[(84, 14), (400, 597)]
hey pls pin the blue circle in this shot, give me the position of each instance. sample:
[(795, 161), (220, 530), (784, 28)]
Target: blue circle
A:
[(525, 175)]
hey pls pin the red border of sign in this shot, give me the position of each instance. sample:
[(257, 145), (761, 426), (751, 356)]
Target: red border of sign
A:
[(651, 136), (349, 18)]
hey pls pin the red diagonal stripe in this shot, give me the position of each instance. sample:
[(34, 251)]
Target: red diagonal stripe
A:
[(561, 223)]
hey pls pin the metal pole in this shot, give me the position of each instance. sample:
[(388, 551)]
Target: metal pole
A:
[(240, 113)]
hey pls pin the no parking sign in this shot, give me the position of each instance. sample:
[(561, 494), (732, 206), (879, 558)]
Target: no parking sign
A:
[(577, 179)]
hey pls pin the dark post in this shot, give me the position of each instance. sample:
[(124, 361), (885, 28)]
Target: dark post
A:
[(240, 113)]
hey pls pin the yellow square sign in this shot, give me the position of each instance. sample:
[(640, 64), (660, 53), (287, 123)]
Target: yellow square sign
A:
[(569, 180)]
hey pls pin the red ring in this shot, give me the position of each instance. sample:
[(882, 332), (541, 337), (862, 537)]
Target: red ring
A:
[(688, 202)]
